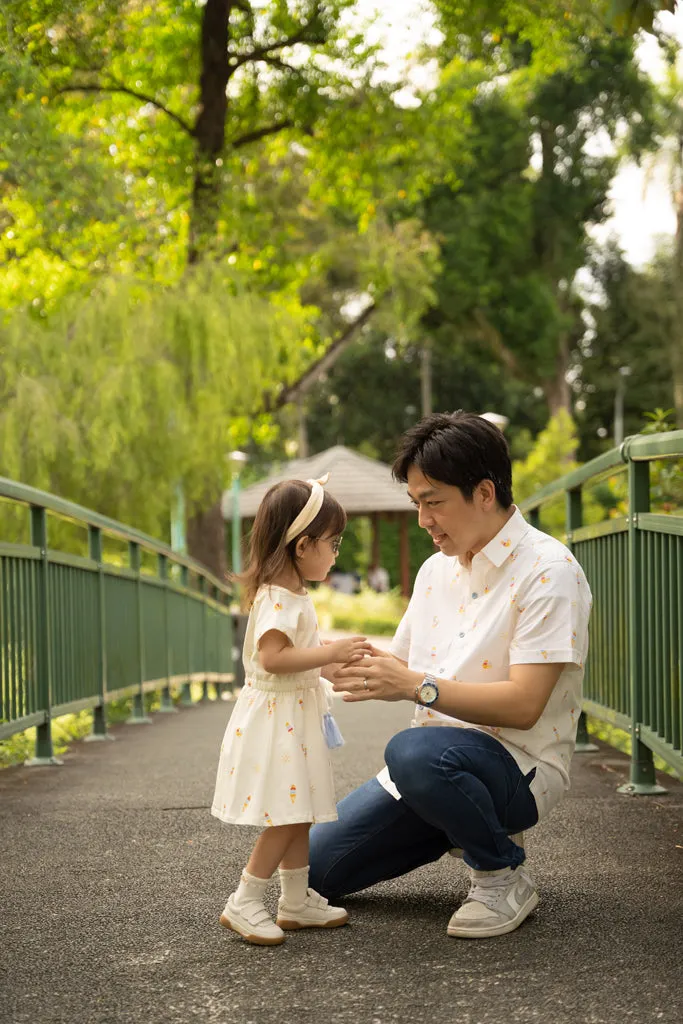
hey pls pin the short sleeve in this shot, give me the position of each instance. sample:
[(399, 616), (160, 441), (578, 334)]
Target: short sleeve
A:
[(276, 610), (400, 645), (552, 617)]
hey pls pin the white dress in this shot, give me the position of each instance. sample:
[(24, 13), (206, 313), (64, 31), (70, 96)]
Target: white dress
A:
[(274, 766)]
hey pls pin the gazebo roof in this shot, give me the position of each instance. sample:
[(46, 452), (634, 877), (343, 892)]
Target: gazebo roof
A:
[(362, 485)]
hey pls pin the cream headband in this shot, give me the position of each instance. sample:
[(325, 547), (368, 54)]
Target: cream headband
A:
[(310, 509)]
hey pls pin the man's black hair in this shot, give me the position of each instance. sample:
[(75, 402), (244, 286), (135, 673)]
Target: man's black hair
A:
[(460, 449)]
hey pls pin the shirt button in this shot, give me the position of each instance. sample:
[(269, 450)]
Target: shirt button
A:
[(475, 596), (461, 635)]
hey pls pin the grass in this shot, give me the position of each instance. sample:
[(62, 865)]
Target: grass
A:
[(368, 612), (67, 729), (621, 740)]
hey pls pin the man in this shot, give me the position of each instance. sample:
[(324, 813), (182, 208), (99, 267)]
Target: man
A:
[(491, 649)]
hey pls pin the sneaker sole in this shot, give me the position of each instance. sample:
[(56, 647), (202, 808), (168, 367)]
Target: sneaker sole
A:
[(467, 932), (291, 926), (255, 940)]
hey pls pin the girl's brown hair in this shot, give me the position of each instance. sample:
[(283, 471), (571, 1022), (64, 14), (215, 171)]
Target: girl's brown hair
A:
[(269, 553)]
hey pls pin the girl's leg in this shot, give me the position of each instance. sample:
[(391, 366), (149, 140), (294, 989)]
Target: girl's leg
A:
[(296, 854), (272, 845), (245, 911), (299, 906)]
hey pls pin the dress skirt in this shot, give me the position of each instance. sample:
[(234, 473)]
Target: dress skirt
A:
[(274, 766)]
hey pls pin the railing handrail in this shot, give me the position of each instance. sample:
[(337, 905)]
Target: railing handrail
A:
[(638, 448), (32, 496)]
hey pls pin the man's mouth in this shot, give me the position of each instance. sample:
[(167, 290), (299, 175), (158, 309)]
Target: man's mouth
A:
[(438, 538)]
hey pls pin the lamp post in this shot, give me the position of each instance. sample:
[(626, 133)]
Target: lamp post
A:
[(237, 460), (624, 372), (496, 418)]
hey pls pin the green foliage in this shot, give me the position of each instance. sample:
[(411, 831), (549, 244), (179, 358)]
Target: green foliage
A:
[(366, 612), (631, 323), (552, 456), (123, 394)]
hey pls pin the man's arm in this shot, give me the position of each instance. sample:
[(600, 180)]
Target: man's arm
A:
[(514, 703)]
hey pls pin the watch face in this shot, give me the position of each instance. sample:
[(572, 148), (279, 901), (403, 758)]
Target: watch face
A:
[(428, 693)]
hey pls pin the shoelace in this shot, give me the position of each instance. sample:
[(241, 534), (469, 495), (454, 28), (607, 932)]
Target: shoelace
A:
[(490, 890)]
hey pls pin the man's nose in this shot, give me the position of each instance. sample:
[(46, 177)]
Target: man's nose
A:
[(424, 517)]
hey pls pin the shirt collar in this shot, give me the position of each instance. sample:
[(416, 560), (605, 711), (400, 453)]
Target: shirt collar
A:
[(506, 540)]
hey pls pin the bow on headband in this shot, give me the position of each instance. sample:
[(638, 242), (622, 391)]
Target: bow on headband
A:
[(310, 509)]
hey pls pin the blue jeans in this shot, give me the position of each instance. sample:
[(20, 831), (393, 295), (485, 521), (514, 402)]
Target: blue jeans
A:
[(459, 787)]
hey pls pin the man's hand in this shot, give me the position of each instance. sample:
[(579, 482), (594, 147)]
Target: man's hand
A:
[(379, 676)]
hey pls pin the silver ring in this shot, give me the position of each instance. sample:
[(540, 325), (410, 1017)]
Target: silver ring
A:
[(365, 683)]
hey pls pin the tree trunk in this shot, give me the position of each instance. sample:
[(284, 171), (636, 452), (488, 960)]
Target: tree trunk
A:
[(206, 540), (557, 390), (426, 378), (676, 350), (206, 530), (209, 130)]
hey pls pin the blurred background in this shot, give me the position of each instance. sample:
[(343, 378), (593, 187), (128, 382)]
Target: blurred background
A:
[(238, 233)]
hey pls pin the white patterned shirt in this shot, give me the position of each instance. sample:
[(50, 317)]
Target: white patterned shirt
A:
[(524, 600)]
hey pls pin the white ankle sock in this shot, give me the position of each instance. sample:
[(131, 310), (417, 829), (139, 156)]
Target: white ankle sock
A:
[(251, 888), (294, 885)]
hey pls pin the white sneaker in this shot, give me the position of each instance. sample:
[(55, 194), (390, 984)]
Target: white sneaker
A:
[(252, 921), (516, 837), (497, 903), (314, 912)]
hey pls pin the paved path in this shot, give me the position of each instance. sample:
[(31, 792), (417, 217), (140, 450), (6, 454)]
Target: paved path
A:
[(114, 873)]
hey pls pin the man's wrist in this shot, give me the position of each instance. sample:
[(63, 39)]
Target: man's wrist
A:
[(413, 680)]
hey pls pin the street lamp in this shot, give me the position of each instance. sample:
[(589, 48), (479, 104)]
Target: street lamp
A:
[(237, 460), (624, 372), (496, 418)]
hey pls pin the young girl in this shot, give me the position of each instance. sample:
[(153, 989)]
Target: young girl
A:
[(274, 767)]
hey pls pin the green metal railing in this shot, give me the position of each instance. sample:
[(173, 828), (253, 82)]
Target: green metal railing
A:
[(78, 630), (634, 565)]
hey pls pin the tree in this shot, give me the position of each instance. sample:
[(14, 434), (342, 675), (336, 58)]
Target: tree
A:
[(125, 393), (631, 317), (193, 126), (514, 227)]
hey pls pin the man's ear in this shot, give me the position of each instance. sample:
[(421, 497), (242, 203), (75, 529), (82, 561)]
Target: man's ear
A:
[(301, 546), (487, 493)]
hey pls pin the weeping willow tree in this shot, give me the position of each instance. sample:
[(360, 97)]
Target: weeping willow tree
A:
[(127, 393)]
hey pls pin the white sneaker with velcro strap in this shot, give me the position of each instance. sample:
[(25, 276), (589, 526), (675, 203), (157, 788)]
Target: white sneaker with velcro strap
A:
[(252, 921), (497, 903), (314, 912)]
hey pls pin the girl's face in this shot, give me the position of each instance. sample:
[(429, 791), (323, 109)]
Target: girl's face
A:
[(315, 558)]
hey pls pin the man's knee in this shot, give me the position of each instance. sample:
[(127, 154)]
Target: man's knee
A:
[(407, 757)]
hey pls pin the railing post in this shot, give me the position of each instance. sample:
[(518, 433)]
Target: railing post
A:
[(573, 521), (138, 717), (204, 589), (643, 781), (99, 724), (44, 750), (167, 706), (186, 692)]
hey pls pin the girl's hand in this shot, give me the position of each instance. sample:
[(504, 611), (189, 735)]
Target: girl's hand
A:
[(377, 677), (350, 649)]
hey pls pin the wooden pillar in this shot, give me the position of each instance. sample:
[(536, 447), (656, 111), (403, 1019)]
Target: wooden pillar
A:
[(404, 552), (375, 557)]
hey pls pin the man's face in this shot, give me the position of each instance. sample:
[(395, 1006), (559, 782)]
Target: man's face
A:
[(457, 526)]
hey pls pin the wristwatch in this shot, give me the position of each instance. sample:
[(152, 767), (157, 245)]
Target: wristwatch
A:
[(427, 692)]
